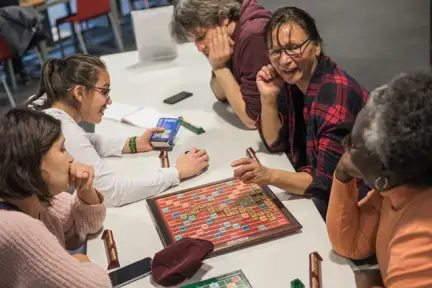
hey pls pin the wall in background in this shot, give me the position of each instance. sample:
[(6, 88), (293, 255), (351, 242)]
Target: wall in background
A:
[(371, 40)]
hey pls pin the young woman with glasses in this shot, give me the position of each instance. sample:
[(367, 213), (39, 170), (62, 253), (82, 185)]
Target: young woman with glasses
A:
[(76, 89)]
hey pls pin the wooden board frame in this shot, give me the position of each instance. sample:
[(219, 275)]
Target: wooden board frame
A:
[(165, 235)]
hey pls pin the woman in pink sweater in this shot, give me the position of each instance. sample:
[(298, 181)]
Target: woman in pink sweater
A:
[(38, 221), (390, 148)]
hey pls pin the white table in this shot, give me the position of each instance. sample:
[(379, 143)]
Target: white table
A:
[(270, 264)]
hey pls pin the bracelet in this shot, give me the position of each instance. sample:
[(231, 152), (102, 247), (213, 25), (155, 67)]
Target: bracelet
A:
[(132, 145)]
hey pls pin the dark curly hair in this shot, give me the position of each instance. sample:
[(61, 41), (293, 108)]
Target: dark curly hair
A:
[(400, 132), (26, 136)]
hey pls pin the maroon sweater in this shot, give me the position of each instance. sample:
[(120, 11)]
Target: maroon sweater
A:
[(250, 53)]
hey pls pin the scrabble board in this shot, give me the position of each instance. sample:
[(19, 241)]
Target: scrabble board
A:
[(235, 279), (228, 213)]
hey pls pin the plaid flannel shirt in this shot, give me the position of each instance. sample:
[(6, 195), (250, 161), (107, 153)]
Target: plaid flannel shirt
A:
[(313, 125)]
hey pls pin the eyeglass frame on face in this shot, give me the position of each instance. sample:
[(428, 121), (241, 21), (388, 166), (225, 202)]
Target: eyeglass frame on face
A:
[(348, 146), (279, 51), (105, 91)]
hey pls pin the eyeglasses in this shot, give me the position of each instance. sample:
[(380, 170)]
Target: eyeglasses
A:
[(104, 91), (348, 145), (290, 50)]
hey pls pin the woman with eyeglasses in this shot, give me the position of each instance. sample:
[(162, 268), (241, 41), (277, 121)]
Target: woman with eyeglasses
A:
[(308, 105), (390, 149), (76, 89)]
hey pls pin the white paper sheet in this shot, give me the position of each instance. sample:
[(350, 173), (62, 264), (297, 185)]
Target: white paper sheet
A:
[(117, 111), (146, 117)]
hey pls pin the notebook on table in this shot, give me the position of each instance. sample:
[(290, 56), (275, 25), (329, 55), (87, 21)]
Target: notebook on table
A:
[(143, 117)]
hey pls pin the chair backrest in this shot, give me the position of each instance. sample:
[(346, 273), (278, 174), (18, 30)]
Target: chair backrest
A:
[(92, 8), (5, 52)]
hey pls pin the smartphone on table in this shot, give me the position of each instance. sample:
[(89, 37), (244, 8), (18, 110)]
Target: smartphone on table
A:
[(177, 97), (131, 272)]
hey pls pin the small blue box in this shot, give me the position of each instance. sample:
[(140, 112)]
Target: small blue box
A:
[(166, 138)]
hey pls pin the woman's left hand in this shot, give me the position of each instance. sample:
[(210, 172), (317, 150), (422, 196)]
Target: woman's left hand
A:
[(250, 171), (143, 142), (81, 176), (345, 170)]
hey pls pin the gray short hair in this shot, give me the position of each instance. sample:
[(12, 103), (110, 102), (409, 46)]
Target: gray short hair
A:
[(400, 130), (375, 109), (190, 14)]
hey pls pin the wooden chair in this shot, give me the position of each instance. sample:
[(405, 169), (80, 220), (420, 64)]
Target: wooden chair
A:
[(87, 10)]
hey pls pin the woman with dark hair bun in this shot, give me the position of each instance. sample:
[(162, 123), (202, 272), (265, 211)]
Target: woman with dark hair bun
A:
[(308, 105), (38, 221)]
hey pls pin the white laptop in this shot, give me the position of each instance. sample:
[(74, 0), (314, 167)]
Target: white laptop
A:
[(152, 35)]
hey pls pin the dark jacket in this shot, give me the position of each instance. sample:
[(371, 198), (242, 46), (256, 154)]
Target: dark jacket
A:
[(5, 3), (18, 26), (250, 53)]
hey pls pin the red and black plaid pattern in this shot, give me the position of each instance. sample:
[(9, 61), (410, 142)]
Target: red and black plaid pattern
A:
[(313, 125)]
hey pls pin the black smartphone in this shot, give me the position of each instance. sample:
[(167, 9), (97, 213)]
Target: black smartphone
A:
[(130, 273), (178, 97)]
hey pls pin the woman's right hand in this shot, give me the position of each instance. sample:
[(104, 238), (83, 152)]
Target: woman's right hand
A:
[(269, 83), (192, 163), (345, 170)]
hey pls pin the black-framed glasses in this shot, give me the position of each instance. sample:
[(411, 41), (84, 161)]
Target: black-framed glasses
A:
[(292, 50), (348, 145), (104, 91)]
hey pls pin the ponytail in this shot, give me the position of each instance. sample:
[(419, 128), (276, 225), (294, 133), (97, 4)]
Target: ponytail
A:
[(59, 76), (45, 87)]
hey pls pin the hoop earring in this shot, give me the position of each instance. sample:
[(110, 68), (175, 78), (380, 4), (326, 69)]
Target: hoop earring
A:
[(381, 186)]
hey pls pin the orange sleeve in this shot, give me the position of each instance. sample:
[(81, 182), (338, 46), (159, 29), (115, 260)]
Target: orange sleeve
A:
[(352, 226), (410, 263)]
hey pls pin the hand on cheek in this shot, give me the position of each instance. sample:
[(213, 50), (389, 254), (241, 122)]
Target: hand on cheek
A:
[(219, 47), (81, 176)]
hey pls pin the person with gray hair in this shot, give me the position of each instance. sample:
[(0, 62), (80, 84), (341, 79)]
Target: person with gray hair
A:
[(390, 149), (230, 33)]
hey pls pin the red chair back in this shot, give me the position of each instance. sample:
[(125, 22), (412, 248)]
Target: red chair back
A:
[(88, 9), (5, 52)]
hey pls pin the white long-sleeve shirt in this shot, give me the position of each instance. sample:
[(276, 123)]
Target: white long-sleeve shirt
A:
[(118, 188)]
